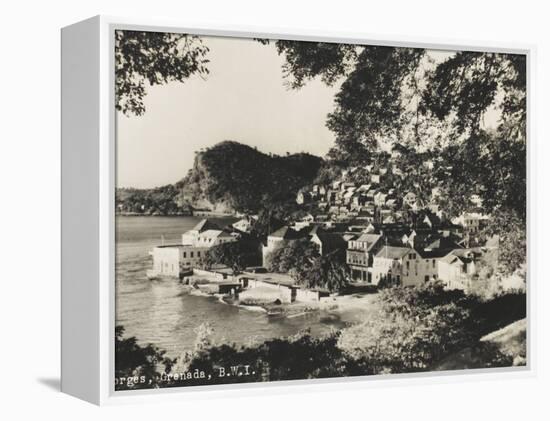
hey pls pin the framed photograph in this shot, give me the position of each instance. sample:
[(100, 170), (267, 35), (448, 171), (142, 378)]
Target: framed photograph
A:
[(252, 208)]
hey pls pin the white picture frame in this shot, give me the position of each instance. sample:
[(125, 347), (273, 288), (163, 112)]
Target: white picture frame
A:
[(88, 213)]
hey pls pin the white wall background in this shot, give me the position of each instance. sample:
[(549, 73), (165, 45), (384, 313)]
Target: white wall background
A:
[(29, 211)]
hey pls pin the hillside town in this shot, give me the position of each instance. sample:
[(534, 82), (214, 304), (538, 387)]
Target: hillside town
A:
[(384, 236)]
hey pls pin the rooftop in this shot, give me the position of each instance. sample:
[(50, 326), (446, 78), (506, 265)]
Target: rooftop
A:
[(331, 240), (462, 255), (370, 239), (391, 252), (205, 224), (214, 234), (286, 233)]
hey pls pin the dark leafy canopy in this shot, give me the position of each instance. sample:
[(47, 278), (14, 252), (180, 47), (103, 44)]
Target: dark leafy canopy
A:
[(432, 103), (370, 103), (299, 357), (513, 240), (394, 94), (468, 83), (301, 259), (236, 255), (306, 60), (155, 58), (328, 272), (382, 84), (295, 257), (137, 367), (270, 219)]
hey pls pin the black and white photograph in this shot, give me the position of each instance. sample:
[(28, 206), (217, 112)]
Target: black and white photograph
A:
[(298, 210)]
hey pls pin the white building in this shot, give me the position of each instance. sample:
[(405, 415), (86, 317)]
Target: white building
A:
[(171, 260), (457, 269), (402, 266), (211, 238)]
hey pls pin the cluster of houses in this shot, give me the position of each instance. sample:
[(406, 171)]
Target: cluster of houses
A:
[(375, 253), (394, 253), (387, 236), (345, 200)]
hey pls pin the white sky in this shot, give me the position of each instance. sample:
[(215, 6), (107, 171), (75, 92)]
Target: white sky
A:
[(243, 99)]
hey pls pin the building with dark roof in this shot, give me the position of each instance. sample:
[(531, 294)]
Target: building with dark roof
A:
[(206, 224)]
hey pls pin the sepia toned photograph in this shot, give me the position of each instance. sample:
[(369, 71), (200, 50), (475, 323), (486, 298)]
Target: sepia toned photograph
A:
[(297, 210)]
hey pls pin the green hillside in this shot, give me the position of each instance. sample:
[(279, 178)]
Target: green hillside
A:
[(227, 177)]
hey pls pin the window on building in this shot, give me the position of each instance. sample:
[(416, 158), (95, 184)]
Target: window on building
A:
[(191, 254), (198, 254), (184, 254)]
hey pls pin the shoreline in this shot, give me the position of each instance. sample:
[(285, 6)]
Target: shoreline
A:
[(349, 308)]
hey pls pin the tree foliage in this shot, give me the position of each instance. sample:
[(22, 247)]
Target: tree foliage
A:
[(301, 260), (328, 272), (430, 104), (163, 200), (467, 84), (512, 244), (153, 58), (431, 101), (137, 367), (270, 219), (411, 329), (295, 257), (295, 358), (237, 255)]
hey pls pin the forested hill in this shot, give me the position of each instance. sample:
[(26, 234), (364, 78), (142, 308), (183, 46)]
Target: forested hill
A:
[(227, 177), (237, 177)]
